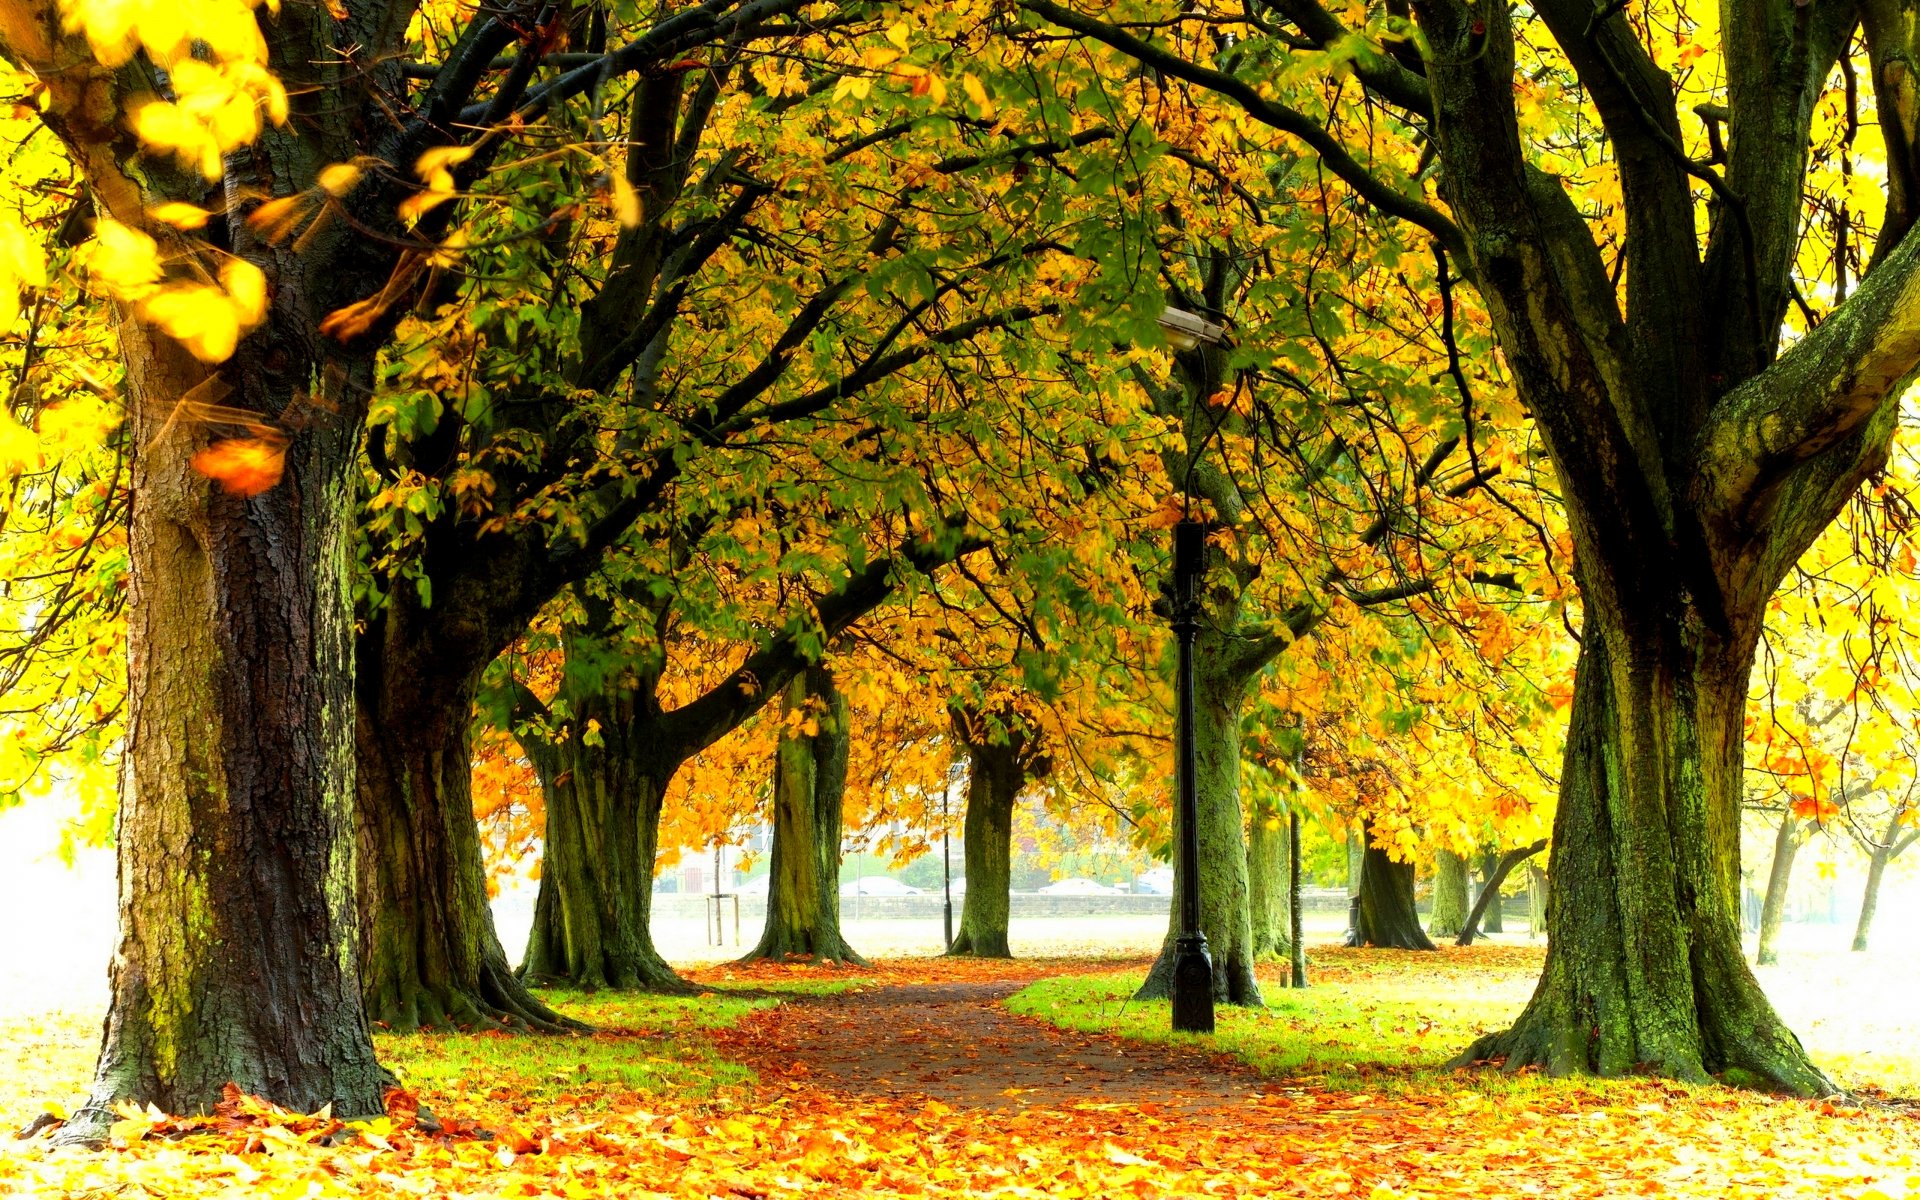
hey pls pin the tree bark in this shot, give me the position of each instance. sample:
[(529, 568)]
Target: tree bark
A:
[(1268, 873), (1387, 916), (592, 924), (1885, 851), (1493, 918), (431, 957), (1786, 847), (1644, 961), (1449, 895), (1221, 679), (1501, 867), (809, 787), (1003, 756), (235, 958)]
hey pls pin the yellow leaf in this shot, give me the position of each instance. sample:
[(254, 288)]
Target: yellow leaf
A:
[(976, 92), (339, 179), (626, 202), (181, 216)]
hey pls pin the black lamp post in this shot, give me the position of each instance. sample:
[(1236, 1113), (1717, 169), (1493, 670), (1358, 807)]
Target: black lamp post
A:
[(946, 860), (1192, 966)]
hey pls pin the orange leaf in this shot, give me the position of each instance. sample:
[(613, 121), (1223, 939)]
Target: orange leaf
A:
[(243, 466)]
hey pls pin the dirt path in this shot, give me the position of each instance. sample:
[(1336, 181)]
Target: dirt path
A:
[(956, 1043)]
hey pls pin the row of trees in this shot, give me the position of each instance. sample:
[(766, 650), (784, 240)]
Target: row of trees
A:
[(665, 352)]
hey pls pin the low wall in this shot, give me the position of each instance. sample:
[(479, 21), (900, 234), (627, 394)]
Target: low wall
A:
[(929, 906)]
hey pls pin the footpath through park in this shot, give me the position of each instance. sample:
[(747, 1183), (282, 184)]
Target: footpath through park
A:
[(936, 1088)]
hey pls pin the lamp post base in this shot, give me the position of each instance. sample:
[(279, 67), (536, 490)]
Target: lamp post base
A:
[(1192, 985)]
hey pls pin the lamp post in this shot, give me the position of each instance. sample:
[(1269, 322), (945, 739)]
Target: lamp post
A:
[(946, 858), (1192, 966)]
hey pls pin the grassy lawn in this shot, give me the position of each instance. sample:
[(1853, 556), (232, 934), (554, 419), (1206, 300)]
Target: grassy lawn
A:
[(1388, 1021)]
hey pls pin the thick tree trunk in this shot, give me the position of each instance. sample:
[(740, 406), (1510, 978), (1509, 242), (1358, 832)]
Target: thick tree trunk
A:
[(1449, 895), (1220, 687), (430, 957), (592, 920), (809, 786), (1268, 864), (1644, 961), (1786, 847), (1493, 916), (1387, 916), (995, 779), (236, 950), (1889, 848)]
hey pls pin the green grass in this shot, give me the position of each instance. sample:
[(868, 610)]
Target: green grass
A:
[(1380, 1026), (642, 1044)]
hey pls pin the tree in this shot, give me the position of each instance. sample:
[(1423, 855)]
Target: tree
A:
[(560, 393), (235, 961), (1449, 894), (1786, 846), (1900, 835), (1697, 460), (1005, 753), (1386, 915), (809, 789)]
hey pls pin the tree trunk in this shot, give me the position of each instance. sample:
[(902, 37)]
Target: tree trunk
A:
[(1493, 915), (236, 948), (996, 775), (1503, 865), (1267, 885), (431, 957), (1449, 895), (809, 786), (592, 924), (1888, 849), (1644, 961), (1220, 688), (1387, 916), (1536, 902), (1786, 846)]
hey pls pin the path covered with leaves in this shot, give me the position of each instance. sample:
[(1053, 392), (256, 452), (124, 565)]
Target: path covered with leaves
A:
[(917, 1080)]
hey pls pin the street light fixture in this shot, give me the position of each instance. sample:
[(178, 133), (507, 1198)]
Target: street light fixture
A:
[(946, 857), (1192, 965)]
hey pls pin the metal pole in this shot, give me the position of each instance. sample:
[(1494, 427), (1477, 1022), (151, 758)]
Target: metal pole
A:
[(1293, 886), (946, 860), (1192, 966)]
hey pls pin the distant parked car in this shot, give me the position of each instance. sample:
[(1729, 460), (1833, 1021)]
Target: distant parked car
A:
[(1158, 882), (878, 885), (1077, 887)]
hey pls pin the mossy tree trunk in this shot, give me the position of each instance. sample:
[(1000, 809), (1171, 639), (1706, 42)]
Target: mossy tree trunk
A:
[(1387, 916), (809, 789), (592, 924), (604, 767), (1890, 846), (1786, 847), (1644, 962), (1493, 916), (1268, 879), (1222, 672), (1004, 755), (235, 959), (1449, 895), (431, 956)]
